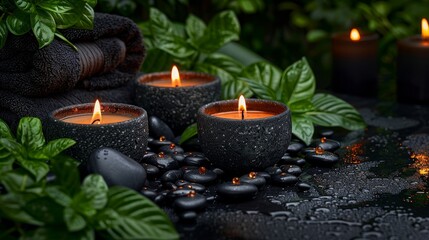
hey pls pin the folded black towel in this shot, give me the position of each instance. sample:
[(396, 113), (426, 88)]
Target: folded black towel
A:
[(13, 106), (109, 56)]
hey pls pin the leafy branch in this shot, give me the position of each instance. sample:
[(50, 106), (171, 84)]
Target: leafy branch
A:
[(43, 197)]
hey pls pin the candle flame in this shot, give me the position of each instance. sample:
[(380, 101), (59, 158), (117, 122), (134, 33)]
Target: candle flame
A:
[(425, 29), (175, 77), (354, 35), (96, 115), (242, 106)]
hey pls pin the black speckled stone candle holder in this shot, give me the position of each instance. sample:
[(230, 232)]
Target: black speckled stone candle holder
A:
[(176, 106), (240, 146), (129, 137)]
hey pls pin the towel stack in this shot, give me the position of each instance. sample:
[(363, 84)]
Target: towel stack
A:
[(34, 82)]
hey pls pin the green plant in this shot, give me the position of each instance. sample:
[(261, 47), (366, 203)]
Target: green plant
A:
[(44, 18), (295, 87), (38, 205)]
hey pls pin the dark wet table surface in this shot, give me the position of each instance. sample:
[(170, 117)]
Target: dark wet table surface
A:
[(379, 190)]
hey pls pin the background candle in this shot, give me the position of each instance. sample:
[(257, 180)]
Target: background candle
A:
[(413, 69), (354, 64)]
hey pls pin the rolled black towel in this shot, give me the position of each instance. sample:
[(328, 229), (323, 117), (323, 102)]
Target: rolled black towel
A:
[(13, 106), (108, 56)]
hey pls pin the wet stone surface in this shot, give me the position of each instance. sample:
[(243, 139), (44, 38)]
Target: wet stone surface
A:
[(378, 190)]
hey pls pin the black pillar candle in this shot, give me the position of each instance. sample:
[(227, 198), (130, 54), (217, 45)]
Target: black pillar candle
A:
[(354, 64), (413, 69)]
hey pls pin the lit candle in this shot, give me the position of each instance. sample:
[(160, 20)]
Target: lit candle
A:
[(413, 67), (242, 112), (119, 126), (354, 63), (176, 97), (238, 140)]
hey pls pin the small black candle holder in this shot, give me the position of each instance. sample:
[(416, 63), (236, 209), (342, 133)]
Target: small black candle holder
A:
[(241, 146), (176, 106), (128, 137)]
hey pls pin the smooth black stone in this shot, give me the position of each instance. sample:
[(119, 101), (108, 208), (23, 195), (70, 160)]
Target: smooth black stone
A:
[(50, 177), (197, 161), (303, 186), (179, 193), (188, 216), (117, 169), (170, 186), (218, 171), (171, 149), (171, 176), (326, 132), (196, 186), (265, 175), (210, 198), (273, 170), (164, 163), (328, 145), (181, 182), (295, 147), (300, 162), (151, 194), (284, 179), (258, 181), (186, 169), (156, 144), (151, 170), (179, 157), (291, 169), (158, 128), (148, 155), (196, 154), (326, 159), (196, 203), (148, 149), (309, 150), (195, 176), (233, 192), (160, 199), (288, 160)]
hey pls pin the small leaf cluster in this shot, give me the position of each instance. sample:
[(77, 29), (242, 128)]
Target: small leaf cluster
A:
[(44, 18), (42, 197)]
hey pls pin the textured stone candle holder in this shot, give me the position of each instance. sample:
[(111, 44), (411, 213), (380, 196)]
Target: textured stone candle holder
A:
[(128, 137), (241, 146), (176, 106)]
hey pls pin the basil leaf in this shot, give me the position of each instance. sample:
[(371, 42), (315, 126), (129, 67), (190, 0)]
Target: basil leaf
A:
[(37, 168), (30, 133), (91, 3), (298, 82), (18, 23), (65, 20), (26, 5), (331, 111), (234, 88), (159, 23), (225, 62), (301, 106), (55, 147), (11, 207), (74, 220), (5, 131), (16, 181), (15, 149), (86, 20), (58, 196), (157, 61), (95, 188), (137, 217), (259, 89), (3, 33), (56, 6), (43, 25), (66, 174), (58, 232), (302, 128), (189, 133), (195, 28), (175, 46), (44, 209), (265, 80)]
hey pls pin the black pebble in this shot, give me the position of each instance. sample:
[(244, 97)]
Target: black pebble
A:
[(117, 169), (258, 181), (196, 186), (151, 194), (295, 147), (186, 169), (273, 170), (291, 169), (188, 216), (179, 157), (327, 145), (284, 179), (151, 170), (171, 176), (157, 143), (171, 149), (197, 177), (286, 159), (265, 175), (170, 186), (218, 171), (179, 193), (163, 162), (181, 182), (158, 128), (234, 192), (325, 159), (195, 203), (303, 186), (196, 160), (326, 132)]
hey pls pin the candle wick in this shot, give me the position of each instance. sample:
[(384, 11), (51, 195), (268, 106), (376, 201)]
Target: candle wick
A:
[(242, 114), (97, 121)]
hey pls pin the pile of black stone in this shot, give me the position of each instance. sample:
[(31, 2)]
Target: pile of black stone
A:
[(180, 176)]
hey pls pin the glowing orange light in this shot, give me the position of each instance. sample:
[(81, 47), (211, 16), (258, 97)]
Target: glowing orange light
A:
[(354, 35), (162, 139), (323, 140), (252, 175), (175, 77), (96, 115), (202, 170), (421, 163), (425, 29), (319, 150), (242, 107), (236, 181), (192, 194)]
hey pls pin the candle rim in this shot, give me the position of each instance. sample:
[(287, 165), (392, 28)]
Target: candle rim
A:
[(88, 107), (207, 79)]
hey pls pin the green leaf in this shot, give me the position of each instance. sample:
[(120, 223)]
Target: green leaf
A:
[(11, 207), (223, 28), (159, 23), (66, 174), (55, 147), (331, 111), (91, 3), (17, 150), (58, 233), (61, 36), (16, 181), (56, 6), (195, 27), (137, 217), (298, 82), (65, 20), (5, 131), (44, 209), (225, 62), (264, 80), (74, 220), (86, 20), (26, 5), (58, 196), (92, 197), (234, 88), (107, 6), (30, 133), (3, 33), (190, 132), (18, 23), (175, 46), (37, 168), (43, 25), (157, 60), (301, 106), (302, 128)]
